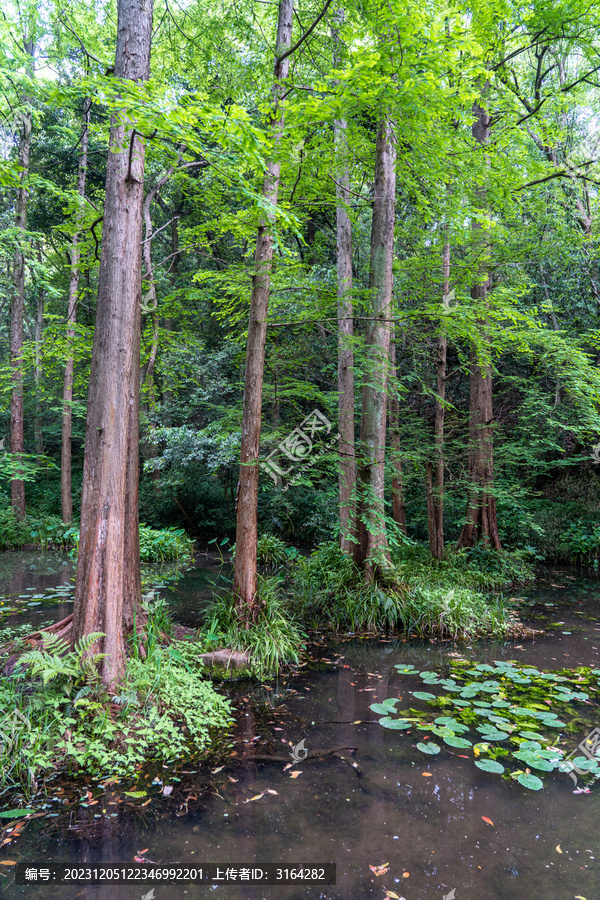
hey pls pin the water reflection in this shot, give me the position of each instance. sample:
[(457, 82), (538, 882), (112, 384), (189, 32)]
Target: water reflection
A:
[(422, 815)]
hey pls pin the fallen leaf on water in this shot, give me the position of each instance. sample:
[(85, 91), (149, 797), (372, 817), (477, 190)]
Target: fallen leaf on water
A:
[(295, 774), (489, 821), (256, 797), (271, 791), (380, 870), (558, 850), (358, 722), (233, 780), (218, 769), (145, 850), (390, 895), (406, 874), (427, 774), (146, 803), (289, 766), (579, 897), (167, 790), (7, 862), (15, 813), (135, 793)]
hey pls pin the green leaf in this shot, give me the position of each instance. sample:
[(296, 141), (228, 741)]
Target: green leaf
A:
[(15, 813), (462, 743), (395, 724), (530, 781), (135, 793), (489, 765), (380, 709), (423, 695), (432, 749)]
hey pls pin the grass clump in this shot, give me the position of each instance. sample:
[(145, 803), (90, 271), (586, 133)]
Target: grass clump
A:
[(274, 639), (163, 544), (59, 717), (431, 598)]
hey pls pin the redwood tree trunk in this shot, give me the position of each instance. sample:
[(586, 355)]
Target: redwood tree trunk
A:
[(17, 308), (67, 413), (244, 578), (481, 522), (371, 552), (108, 587), (347, 472), (435, 470), (398, 508)]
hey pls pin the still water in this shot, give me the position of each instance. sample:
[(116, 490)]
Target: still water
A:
[(383, 803)]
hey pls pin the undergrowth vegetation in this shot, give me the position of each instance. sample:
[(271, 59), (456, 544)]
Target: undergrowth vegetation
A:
[(274, 639), (63, 719), (156, 544), (449, 598)]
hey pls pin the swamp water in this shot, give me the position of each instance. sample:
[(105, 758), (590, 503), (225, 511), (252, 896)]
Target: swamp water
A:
[(439, 822)]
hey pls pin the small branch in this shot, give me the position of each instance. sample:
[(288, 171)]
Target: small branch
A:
[(306, 33)]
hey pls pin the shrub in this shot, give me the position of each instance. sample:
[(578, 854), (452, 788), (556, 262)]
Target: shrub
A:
[(13, 533), (160, 545), (63, 719), (271, 551)]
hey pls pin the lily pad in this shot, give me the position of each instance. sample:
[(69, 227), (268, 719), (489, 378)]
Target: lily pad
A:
[(423, 695), (380, 709), (459, 742), (432, 749), (489, 765), (530, 781), (395, 724)]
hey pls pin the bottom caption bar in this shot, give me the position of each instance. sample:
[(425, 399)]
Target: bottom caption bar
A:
[(201, 873)]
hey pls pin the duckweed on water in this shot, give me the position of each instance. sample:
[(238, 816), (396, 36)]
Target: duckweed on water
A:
[(504, 714)]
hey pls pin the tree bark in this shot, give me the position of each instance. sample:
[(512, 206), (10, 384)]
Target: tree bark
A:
[(371, 552), (66, 497), (17, 308), (347, 471), (481, 521), (108, 588), (435, 469), (38, 367), (244, 578), (398, 508)]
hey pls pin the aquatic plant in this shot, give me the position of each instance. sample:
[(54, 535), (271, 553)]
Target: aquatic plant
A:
[(502, 713)]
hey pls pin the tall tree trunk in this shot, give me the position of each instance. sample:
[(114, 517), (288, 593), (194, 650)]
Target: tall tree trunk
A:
[(481, 521), (371, 552), (38, 366), (108, 586), (244, 578), (347, 472), (17, 307), (398, 508), (66, 497), (435, 470)]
